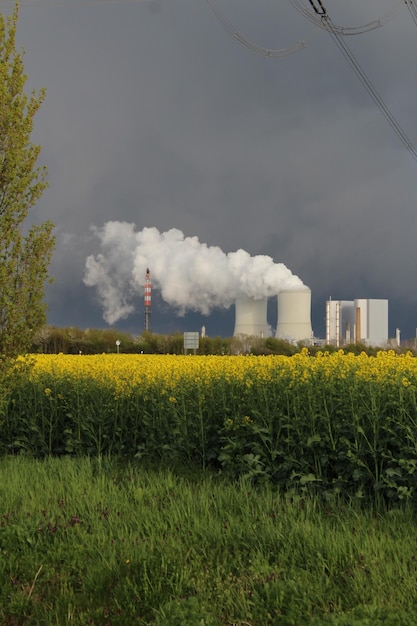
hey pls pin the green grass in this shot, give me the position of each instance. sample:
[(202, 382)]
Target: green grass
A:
[(101, 542)]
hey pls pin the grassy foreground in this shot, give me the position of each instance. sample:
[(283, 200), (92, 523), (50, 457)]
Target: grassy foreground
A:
[(97, 542)]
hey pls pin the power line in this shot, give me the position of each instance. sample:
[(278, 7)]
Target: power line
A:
[(412, 10), (360, 73), (320, 13), (321, 18), (266, 52), (319, 10)]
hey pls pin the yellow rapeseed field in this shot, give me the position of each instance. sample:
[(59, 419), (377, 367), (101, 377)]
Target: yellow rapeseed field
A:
[(123, 372), (337, 422)]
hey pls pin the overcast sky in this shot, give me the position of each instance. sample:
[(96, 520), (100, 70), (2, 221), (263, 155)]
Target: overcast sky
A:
[(156, 116)]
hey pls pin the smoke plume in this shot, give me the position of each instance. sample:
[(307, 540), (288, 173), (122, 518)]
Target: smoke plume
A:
[(190, 275)]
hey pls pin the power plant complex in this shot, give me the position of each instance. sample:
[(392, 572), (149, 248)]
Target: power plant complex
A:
[(191, 276), (347, 321), (294, 316), (357, 321)]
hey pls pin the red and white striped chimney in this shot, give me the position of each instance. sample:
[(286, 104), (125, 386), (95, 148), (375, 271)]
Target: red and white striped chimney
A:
[(147, 300)]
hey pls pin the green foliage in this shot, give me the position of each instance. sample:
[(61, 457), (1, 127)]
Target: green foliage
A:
[(332, 436), (270, 345), (25, 253), (72, 340), (95, 541)]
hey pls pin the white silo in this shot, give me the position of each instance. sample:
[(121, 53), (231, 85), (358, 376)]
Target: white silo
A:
[(294, 315), (251, 317)]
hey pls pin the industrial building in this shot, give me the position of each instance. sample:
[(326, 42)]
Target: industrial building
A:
[(294, 316), (347, 321), (251, 317), (357, 321)]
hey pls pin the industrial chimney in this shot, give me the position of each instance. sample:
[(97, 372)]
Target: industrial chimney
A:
[(147, 300), (251, 317), (294, 315)]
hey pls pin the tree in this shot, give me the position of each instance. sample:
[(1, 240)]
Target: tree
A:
[(25, 251)]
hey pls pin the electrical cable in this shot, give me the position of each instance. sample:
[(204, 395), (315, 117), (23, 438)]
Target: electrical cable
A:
[(322, 19), (266, 52), (360, 73), (315, 18), (412, 9)]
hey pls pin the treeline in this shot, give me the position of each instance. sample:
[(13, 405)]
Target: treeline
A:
[(72, 340)]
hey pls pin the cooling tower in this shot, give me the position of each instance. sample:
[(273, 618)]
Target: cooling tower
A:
[(251, 317), (294, 315)]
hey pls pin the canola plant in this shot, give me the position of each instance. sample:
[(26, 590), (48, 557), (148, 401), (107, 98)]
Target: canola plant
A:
[(332, 423)]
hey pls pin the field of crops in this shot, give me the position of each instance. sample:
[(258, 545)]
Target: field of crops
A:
[(218, 491), (329, 424)]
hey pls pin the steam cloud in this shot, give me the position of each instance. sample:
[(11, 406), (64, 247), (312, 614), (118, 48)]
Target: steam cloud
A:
[(189, 274)]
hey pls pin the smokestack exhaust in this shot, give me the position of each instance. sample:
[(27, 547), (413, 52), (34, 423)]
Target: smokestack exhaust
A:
[(190, 275)]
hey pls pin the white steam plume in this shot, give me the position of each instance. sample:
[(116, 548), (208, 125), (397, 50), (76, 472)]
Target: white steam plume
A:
[(189, 274)]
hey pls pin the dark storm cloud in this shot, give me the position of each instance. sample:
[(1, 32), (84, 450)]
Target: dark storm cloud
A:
[(156, 116)]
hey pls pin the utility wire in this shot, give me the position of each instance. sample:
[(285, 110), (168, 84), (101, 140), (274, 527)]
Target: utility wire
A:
[(319, 11), (412, 9), (360, 73), (266, 52), (337, 32)]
